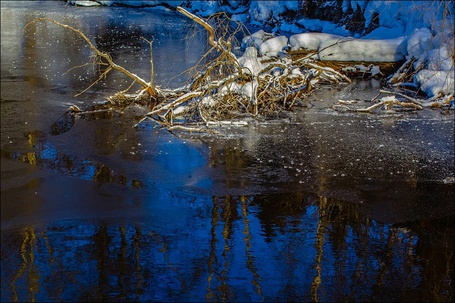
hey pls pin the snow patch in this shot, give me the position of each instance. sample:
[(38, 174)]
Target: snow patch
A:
[(256, 39), (366, 50), (312, 41), (273, 46), (419, 42), (339, 48), (86, 3), (435, 54), (250, 61), (316, 25), (433, 82)]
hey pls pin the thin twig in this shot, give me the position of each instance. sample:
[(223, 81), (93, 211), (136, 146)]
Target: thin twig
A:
[(415, 101), (176, 102), (152, 72), (151, 90), (103, 75)]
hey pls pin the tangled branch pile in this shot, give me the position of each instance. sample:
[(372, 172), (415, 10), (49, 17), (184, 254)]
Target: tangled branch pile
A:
[(228, 88), (404, 94), (225, 89)]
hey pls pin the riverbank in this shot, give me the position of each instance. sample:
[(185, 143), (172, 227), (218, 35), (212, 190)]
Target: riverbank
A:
[(427, 25)]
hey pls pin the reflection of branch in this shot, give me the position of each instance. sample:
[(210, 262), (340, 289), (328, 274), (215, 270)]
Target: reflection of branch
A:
[(250, 259), (386, 261), (147, 86), (212, 258), (319, 247), (29, 232), (137, 253), (227, 217)]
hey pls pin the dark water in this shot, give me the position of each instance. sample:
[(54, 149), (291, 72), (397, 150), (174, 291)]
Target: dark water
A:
[(322, 207)]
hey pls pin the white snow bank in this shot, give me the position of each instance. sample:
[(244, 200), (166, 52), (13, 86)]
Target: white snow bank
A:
[(405, 16), (433, 82), (435, 54), (256, 39), (312, 41), (273, 46), (288, 27), (389, 50), (250, 60), (316, 25), (437, 75), (339, 48), (86, 3), (383, 32), (266, 10), (419, 42)]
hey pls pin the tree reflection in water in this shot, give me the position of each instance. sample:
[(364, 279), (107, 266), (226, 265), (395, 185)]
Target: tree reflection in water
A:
[(292, 247), (46, 156)]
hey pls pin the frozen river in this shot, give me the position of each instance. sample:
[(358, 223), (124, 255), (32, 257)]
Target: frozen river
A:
[(323, 206)]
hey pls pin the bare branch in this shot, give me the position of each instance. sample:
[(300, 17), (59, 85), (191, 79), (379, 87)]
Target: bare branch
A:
[(152, 72), (176, 102), (402, 95), (201, 22), (103, 75), (150, 89), (222, 46)]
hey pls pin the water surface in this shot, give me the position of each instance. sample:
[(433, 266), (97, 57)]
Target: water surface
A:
[(323, 206)]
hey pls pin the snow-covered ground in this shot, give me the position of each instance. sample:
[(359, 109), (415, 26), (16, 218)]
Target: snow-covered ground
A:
[(386, 31)]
